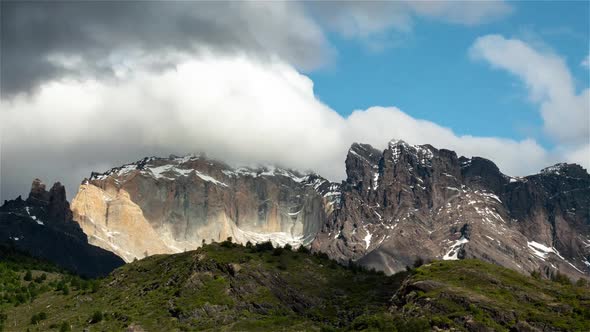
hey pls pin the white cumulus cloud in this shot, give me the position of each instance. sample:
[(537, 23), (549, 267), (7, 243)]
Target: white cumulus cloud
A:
[(565, 112), (235, 108), (362, 19)]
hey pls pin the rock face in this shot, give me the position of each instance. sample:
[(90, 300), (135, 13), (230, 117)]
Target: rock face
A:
[(396, 205), (417, 201), (168, 205), (42, 225)]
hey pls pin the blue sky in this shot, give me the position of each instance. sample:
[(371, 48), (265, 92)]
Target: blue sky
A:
[(428, 73)]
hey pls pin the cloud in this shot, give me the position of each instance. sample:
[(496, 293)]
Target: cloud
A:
[(44, 41), (235, 108), (364, 19), (586, 62), (565, 112), (40, 39)]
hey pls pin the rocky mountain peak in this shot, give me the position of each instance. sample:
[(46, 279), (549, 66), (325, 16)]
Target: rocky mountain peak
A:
[(38, 193), (453, 207), (44, 220), (53, 203), (565, 169), (413, 155), (482, 173), (397, 142), (362, 166), (58, 207)]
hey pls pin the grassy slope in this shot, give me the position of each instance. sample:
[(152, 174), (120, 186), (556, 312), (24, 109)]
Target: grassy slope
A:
[(234, 288), (228, 288), (477, 294)]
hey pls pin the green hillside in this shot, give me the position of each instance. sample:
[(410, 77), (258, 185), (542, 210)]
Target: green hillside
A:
[(257, 288)]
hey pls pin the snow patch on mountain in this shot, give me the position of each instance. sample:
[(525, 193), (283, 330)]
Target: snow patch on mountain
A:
[(453, 253)]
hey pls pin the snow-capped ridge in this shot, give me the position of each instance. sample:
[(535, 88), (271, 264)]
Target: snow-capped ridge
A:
[(554, 169), (422, 153), (174, 167), (566, 170)]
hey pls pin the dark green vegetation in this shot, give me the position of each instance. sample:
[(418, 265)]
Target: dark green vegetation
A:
[(476, 295), (24, 279), (258, 288)]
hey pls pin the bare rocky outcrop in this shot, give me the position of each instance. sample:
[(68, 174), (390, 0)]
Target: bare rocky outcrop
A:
[(116, 223), (174, 204)]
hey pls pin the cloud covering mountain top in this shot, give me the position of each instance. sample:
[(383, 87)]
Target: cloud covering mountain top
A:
[(91, 85), (234, 108)]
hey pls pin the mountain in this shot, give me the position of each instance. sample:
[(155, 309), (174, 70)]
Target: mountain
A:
[(169, 205), (42, 226), (395, 206), (418, 201), (227, 287)]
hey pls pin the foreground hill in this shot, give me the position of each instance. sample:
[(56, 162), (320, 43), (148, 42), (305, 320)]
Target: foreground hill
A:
[(235, 288)]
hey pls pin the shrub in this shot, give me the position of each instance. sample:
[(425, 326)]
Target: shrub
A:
[(418, 262), (561, 278), (288, 247), (94, 285), (378, 322), (76, 282), (283, 262), (41, 278), (322, 255), (303, 249), (264, 246), (3, 318), (96, 317), (64, 327), (20, 298), (28, 276), (227, 243), (60, 285), (582, 283), (36, 318), (278, 251)]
